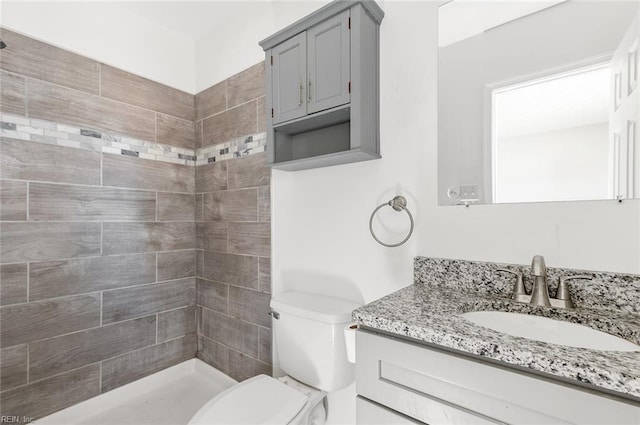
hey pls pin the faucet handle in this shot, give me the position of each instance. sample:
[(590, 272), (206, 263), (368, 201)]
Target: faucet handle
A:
[(518, 288), (563, 288)]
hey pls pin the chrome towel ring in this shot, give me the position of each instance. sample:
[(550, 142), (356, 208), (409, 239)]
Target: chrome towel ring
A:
[(398, 203)]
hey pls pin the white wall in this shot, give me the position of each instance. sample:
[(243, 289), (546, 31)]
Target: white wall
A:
[(320, 217), (232, 44), (110, 34)]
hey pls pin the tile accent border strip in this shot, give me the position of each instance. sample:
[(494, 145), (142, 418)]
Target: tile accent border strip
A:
[(52, 133), (236, 148)]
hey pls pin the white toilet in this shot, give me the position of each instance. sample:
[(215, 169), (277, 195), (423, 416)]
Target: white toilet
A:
[(309, 338)]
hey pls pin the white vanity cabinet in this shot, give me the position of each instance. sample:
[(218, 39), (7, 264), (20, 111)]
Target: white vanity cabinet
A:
[(406, 382)]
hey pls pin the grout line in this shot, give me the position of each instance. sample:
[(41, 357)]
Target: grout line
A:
[(257, 205), (93, 186), (99, 79), (28, 362), (233, 349), (28, 279), (162, 282), (177, 337), (227, 109), (28, 196), (26, 97), (122, 255), (142, 108), (96, 256), (226, 95), (51, 376), (101, 169), (229, 301), (259, 281), (111, 221)]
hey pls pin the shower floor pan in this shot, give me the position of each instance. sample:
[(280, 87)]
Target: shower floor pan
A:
[(169, 397)]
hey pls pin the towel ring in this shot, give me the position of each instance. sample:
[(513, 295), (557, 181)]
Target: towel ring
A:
[(398, 203)]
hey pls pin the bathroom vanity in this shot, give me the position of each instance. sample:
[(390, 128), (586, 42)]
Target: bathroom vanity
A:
[(419, 360)]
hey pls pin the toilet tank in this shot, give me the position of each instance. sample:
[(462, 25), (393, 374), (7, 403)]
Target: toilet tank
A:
[(309, 338)]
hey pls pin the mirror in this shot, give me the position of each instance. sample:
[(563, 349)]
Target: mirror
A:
[(538, 101)]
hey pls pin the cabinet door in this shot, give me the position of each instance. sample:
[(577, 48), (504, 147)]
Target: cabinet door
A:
[(288, 72), (329, 63)]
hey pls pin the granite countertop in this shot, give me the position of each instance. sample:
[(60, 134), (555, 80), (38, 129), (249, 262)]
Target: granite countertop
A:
[(431, 314)]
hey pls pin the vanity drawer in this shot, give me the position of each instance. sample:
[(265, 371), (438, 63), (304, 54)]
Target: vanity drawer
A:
[(438, 387)]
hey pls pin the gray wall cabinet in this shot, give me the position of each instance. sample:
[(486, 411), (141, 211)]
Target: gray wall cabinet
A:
[(322, 80)]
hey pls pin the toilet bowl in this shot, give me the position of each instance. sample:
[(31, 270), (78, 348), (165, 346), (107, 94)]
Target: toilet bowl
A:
[(309, 337)]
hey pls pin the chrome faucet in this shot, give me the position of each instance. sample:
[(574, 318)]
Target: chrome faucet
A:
[(540, 293)]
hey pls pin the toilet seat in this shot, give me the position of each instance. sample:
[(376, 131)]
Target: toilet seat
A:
[(258, 400)]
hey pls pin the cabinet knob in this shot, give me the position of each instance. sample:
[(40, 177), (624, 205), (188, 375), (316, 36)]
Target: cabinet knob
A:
[(309, 92)]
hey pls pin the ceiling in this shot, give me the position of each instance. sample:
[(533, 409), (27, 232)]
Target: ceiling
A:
[(461, 19), (194, 19)]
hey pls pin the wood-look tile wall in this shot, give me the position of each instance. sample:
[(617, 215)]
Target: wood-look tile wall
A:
[(232, 108), (233, 267), (97, 261), (233, 235), (97, 258), (49, 83)]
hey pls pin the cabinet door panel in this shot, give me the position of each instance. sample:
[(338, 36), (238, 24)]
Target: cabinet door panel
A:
[(288, 79), (329, 63)]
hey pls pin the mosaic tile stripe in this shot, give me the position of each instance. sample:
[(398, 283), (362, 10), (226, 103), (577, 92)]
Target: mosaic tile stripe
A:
[(47, 132), (236, 148)]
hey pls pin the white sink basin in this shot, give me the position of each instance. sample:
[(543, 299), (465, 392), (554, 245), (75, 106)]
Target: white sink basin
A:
[(549, 330)]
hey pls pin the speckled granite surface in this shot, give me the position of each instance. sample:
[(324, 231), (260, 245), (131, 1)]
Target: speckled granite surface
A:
[(613, 291), (429, 311)]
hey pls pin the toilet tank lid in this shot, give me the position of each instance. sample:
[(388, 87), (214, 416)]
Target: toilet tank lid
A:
[(322, 308)]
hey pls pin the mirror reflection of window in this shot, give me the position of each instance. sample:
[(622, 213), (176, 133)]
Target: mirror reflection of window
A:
[(550, 137), (538, 101)]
